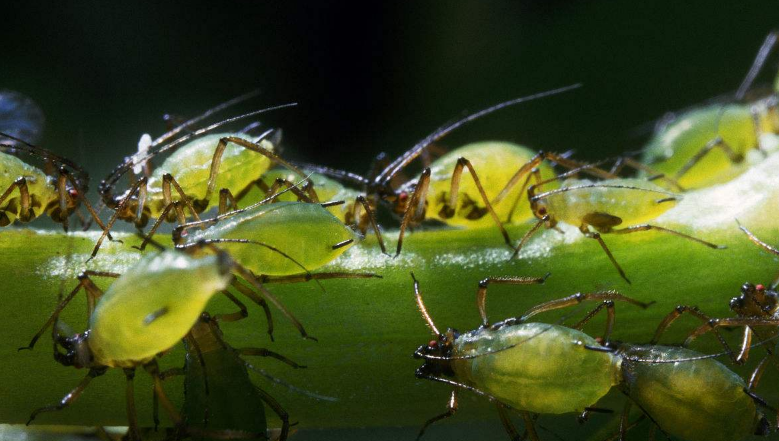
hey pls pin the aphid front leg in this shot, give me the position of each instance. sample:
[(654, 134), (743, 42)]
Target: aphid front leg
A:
[(71, 396), (451, 409), (451, 205), (416, 206)]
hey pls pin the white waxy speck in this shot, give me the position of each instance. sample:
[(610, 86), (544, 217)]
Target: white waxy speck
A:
[(143, 148)]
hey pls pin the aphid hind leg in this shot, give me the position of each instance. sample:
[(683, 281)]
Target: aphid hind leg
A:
[(511, 430), (713, 324), (415, 210), (481, 292), (25, 202), (72, 396), (451, 205), (254, 297), (139, 187), (93, 294), (647, 227), (167, 181), (677, 313), (609, 305), (451, 409), (147, 237), (717, 142)]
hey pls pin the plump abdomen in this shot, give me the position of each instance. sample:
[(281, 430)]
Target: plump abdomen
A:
[(548, 370), (698, 400), (40, 186)]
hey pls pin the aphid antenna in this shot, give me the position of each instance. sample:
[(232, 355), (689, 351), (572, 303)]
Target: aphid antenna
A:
[(761, 244), (218, 108), (423, 309), (341, 175), (288, 386), (383, 179), (587, 186), (141, 157), (461, 386), (82, 178), (572, 172)]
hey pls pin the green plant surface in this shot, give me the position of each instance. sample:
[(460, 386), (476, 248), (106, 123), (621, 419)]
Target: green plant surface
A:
[(368, 329)]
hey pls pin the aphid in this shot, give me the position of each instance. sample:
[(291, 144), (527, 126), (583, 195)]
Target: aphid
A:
[(307, 234), (686, 394), (144, 312), (211, 408), (531, 367), (27, 192), (202, 163), (602, 206), (709, 145), (20, 117)]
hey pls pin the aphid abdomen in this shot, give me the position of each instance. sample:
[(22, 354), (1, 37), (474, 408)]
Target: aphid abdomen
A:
[(496, 163), (190, 165), (326, 189), (305, 232), (676, 143), (632, 206), (153, 305), (700, 400), (547, 371)]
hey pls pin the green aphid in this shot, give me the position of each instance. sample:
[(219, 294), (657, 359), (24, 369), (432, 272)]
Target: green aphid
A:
[(529, 367), (710, 144)]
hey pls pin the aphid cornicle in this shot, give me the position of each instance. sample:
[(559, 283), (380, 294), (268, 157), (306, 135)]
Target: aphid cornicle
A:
[(602, 206), (531, 367), (206, 170), (709, 145), (27, 192), (144, 312)]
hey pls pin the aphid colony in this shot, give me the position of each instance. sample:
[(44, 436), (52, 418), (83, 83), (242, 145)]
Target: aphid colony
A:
[(277, 221)]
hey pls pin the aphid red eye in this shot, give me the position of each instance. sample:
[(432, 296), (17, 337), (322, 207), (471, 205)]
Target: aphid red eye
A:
[(73, 192), (403, 196), (542, 211), (432, 344), (759, 287)]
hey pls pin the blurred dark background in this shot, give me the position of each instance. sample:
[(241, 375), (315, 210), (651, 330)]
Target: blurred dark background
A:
[(374, 77)]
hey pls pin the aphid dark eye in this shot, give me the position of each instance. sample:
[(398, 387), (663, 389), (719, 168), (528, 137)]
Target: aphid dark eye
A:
[(759, 287), (432, 344), (542, 211)]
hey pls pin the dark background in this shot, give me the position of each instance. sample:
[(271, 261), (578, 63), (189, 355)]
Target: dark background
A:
[(373, 77)]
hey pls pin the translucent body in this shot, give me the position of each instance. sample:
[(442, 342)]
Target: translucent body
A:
[(630, 205), (190, 165), (171, 286), (548, 371), (326, 189), (495, 162), (699, 400), (305, 232), (677, 142), (41, 186)]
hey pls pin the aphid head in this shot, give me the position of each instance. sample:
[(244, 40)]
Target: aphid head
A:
[(437, 354), (77, 352), (755, 301)]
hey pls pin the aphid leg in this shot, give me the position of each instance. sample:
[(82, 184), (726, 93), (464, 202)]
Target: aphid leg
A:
[(79, 194), (416, 206), (71, 396), (624, 423), (241, 314), (25, 213), (360, 201), (164, 375), (534, 174), (585, 415), (132, 416), (451, 409), (160, 219), (225, 196), (167, 181), (653, 174), (757, 374), (451, 205), (593, 235), (139, 187), (647, 227), (93, 294), (154, 370), (675, 314), (525, 169), (717, 142), (609, 305), (262, 352), (249, 293), (481, 292), (530, 426), (577, 298), (278, 410), (527, 236), (511, 430), (713, 324), (306, 277)]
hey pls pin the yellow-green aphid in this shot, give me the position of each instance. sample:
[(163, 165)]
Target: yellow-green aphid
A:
[(531, 367), (261, 236), (497, 162), (204, 170), (694, 398), (602, 206), (27, 191), (709, 145)]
